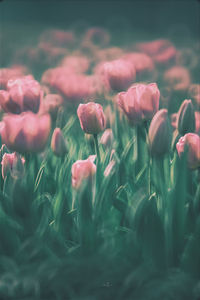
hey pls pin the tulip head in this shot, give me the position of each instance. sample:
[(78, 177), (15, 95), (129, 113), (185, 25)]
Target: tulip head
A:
[(191, 142), (186, 118), (26, 132), (12, 164), (160, 133), (91, 117), (83, 170), (107, 138), (58, 143)]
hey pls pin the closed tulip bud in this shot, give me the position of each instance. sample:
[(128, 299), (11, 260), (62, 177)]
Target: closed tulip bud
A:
[(160, 133), (186, 118), (192, 141), (91, 117), (107, 138), (83, 170), (12, 164), (58, 143)]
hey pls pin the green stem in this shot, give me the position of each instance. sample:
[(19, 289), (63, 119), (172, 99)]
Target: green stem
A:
[(96, 148)]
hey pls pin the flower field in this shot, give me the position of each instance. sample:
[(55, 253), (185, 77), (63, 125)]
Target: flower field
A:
[(100, 168)]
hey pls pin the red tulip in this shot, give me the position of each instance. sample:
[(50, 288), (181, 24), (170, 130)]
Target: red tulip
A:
[(192, 141), (91, 117), (83, 170), (26, 132)]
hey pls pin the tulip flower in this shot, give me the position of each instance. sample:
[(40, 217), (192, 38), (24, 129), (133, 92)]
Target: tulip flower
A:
[(26, 132), (91, 117), (141, 61), (79, 64), (83, 170), (119, 74), (24, 94), (194, 94), (177, 78), (14, 72), (51, 104), (58, 143), (191, 141), (160, 133), (107, 138), (140, 102), (12, 163), (186, 118)]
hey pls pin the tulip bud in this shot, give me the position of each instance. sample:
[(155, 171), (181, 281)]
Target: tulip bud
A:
[(186, 117), (82, 170), (192, 141), (160, 133), (58, 144), (107, 138), (12, 163), (91, 117)]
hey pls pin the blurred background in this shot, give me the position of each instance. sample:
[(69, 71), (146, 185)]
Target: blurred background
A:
[(22, 20)]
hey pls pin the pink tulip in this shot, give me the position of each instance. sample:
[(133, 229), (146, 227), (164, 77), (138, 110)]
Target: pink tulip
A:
[(14, 72), (118, 74), (194, 93), (160, 134), (26, 132), (83, 170), (58, 143), (177, 78), (51, 104), (108, 54), (192, 141), (107, 138), (91, 117), (161, 51), (24, 94), (140, 102), (78, 63), (141, 61), (12, 163)]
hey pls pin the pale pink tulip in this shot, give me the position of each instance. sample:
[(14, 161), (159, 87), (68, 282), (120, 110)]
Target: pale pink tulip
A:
[(83, 170)]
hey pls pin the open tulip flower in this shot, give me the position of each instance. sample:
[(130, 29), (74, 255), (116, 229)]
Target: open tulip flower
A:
[(140, 102), (91, 117), (26, 132), (191, 140)]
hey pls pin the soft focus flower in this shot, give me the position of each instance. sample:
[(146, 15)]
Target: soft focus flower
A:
[(91, 117), (97, 36), (141, 61), (12, 163), (161, 51), (51, 104), (58, 143), (186, 118), (177, 78), (11, 73), (78, 63), (192, 141), (194, 94), (24, 94), (118, 74), (58, 37), (140, 102), (107, 138), (82, 170), (160, 133), (26, 132), (72, 86), (108, 54)]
